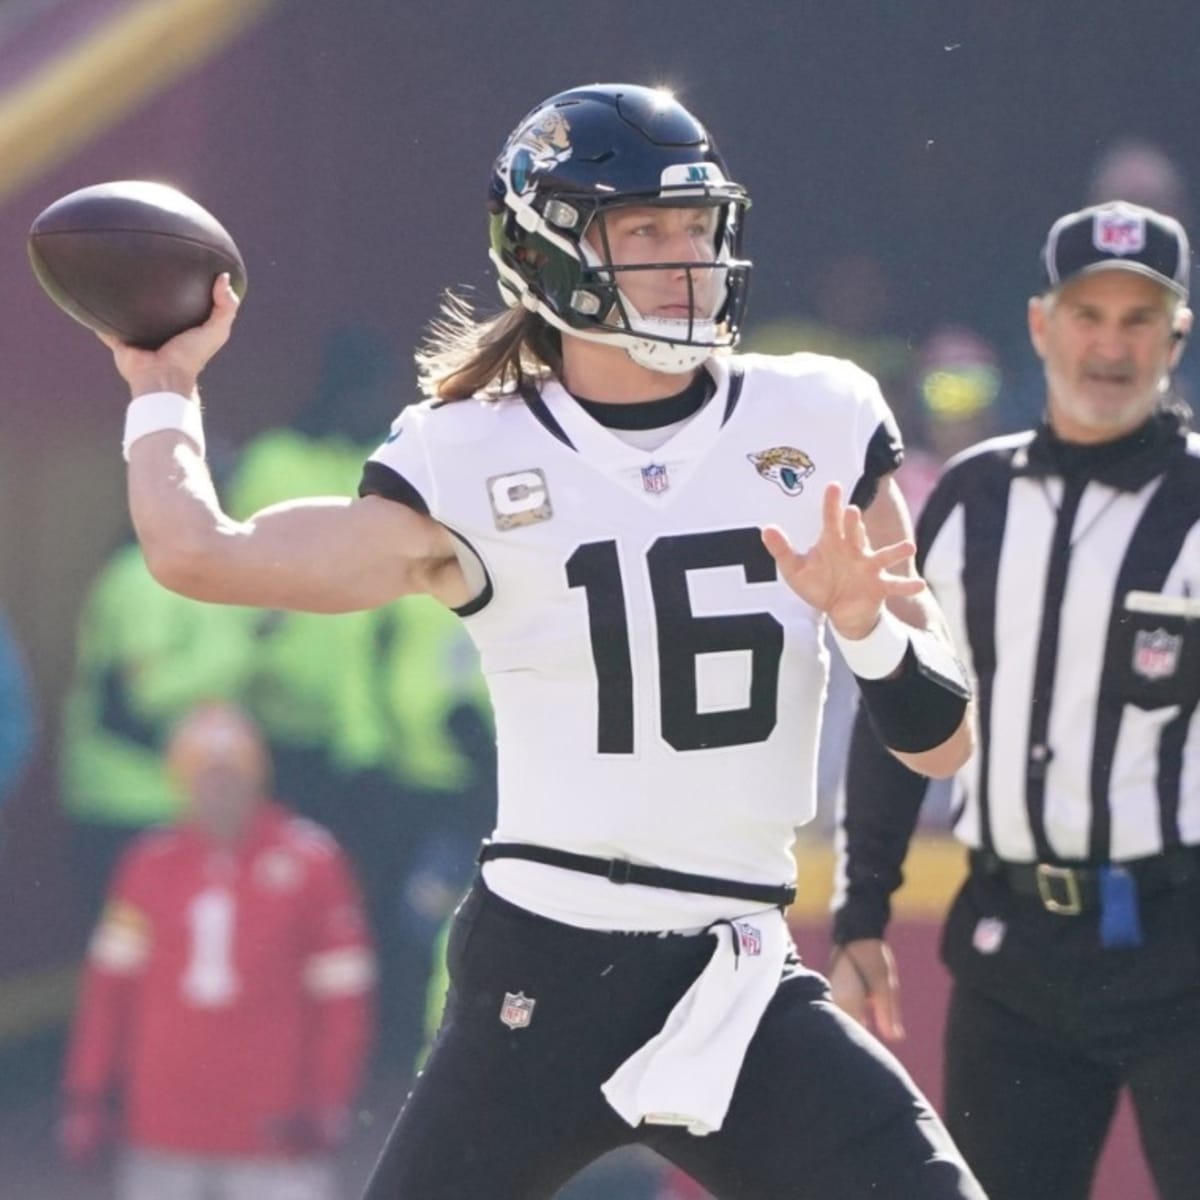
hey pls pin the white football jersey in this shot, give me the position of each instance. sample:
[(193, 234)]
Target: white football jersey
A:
[(657, 688)]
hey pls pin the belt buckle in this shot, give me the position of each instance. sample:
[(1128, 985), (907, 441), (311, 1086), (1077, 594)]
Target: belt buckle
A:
[(1048, 877)]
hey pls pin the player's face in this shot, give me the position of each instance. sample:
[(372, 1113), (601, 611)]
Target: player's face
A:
[(1105, 342), (643, 236)]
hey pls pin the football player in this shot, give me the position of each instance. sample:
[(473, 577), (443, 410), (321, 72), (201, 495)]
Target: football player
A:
[(646, 535)]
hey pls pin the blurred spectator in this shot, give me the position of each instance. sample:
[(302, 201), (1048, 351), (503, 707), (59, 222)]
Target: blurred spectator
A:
[(17, 722), (301, 662), (850, 320), (950, 406), (144, 656), (1139, 172), (418, 736), (225, 1010)]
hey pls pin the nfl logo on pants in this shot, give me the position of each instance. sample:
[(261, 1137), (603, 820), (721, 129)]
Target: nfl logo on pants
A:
[(517, 1010)]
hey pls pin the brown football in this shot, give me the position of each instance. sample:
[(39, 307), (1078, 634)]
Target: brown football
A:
[(133, 258)]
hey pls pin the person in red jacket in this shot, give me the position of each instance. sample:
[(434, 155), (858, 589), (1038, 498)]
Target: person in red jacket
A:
[(227, 1002)]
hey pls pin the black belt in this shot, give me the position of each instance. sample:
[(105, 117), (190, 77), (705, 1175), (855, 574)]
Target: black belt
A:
[(620, 870), (1073, 889)]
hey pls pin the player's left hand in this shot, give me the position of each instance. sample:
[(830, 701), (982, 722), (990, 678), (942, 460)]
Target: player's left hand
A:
[(842, 574)]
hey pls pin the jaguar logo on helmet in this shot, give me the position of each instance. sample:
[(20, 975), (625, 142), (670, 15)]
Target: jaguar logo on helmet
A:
[(785, 466), (543, 143)]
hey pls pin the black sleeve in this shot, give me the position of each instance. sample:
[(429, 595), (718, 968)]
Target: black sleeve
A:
[(381, 480), (885, 452), (882, 800)]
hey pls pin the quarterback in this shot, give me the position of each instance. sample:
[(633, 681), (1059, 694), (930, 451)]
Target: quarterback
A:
[(646, 534)]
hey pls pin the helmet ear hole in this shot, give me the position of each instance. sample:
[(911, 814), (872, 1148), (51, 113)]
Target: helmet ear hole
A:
[(527, 256)]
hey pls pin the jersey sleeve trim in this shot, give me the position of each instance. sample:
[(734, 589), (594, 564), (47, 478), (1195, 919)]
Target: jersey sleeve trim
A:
[(736, 378), (884, 454), (484, 596), (381, 480)]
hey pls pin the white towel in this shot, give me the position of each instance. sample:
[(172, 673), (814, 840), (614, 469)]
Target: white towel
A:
[(685, 1075)]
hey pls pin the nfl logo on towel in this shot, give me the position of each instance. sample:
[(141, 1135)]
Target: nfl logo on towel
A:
[(654, 478), (749, 937), (517, 1010)]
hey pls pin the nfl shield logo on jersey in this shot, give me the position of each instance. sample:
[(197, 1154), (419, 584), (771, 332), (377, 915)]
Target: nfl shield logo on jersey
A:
[(1156, 653), (1119, 232), (517, 1010), (654, 478)]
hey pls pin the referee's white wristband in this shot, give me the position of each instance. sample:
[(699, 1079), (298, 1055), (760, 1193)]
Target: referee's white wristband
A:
[(157, 411), (878, 654)]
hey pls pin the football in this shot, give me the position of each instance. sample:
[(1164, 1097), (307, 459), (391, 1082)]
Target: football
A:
[(133, 258)]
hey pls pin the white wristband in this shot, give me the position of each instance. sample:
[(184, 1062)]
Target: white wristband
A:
[(157, 411), (878, 654)]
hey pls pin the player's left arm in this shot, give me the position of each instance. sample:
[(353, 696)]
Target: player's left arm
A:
[(938, 673), (859, 572)]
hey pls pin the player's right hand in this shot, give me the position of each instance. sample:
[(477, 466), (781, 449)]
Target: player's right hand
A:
[(865, 984), (176, 365), (85, 1131)]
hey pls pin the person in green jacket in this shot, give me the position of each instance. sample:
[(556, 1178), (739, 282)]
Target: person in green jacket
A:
[(144, 656), (301, 661)]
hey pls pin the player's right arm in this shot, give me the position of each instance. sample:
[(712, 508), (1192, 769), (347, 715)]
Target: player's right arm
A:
[(316, 555)]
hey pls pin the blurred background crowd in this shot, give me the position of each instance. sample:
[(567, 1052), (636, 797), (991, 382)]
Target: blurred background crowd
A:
[(903, 161)]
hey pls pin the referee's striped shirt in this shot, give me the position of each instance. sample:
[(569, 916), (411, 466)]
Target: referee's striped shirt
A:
[(1064, 572)]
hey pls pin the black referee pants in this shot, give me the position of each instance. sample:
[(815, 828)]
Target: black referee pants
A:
[(1046, 1027), (821, 1110)]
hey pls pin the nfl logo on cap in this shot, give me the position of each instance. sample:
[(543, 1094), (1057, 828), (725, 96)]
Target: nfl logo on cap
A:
[(1118, 237), (1119, 231)]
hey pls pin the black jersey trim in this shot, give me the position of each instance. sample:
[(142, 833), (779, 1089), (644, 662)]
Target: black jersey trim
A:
[(537, 406), (737, 377), (484, 598), (884, 454), (378, 479), (652, 414)]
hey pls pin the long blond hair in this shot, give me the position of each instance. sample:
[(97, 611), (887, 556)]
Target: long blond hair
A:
[(463, 355)]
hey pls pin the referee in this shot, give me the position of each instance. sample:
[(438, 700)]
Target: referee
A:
[(1067, 560)]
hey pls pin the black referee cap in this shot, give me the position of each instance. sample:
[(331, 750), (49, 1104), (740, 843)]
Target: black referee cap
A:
[(1118, 236)]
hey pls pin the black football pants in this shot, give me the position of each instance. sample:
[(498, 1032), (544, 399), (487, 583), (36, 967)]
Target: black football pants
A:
[(821, 1110)]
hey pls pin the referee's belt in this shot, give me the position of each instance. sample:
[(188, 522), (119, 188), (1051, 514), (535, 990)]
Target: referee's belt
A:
[(1071, 890), (620, 870)]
